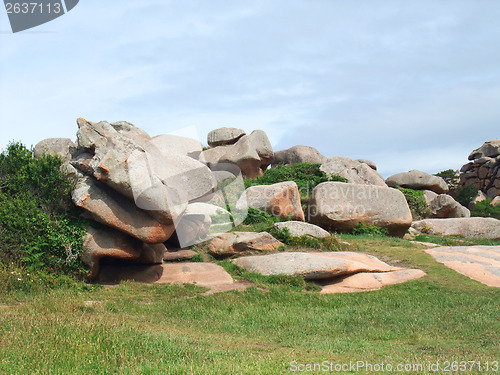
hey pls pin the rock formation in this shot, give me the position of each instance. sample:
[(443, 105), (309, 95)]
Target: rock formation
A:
[(483, 171)]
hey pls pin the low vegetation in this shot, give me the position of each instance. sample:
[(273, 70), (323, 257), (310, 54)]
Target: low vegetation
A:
[(417, 203), (136, 329), (485, 209), (39, 227), (306, 175), (51, 322)]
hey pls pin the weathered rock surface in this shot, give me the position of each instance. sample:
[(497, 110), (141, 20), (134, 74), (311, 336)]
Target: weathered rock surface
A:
[(111, 209), (200, 221), (480, 263), (429, 196), (488, 149), (232, 243), (299, 229), (131, 131), (337, 206), (202, 274), (251, 153), (179, 255), (174, 144), (54, 146), (312, 266), (354, 171), (100, 244), (472, 227), (224, 136), (298, 154), (370, 163), (444, 206), (281, 199), (363, 281), (483, 172), (419, 181)]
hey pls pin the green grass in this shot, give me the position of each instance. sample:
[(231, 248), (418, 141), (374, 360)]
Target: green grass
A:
[(455, 240), (160, 329)]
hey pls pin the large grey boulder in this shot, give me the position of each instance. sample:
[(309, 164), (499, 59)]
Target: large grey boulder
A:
[(299, 229), (489, 149), (298, 154), (224, 136), (54, 146), (174, 144), (113, 210), (99, 244), (313, 266), (158, 181), (281, 199), (354, 171), (130, 130), (370, 163), (341, 207), (251, 153), (429, 196), (444, 206), (418, 180), (471, 227), (232, 243)]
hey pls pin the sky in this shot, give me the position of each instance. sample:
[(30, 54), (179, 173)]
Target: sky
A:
[(406, 84)]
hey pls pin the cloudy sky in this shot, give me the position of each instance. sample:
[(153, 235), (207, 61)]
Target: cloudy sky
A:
[(407, 84)]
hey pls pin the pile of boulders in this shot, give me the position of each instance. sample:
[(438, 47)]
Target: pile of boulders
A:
[(483, 171), (152, 197)]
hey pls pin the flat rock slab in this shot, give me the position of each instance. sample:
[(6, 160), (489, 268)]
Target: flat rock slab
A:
[(364, 281), (480, 263), (469, 227), (312, 266), (202, 274)]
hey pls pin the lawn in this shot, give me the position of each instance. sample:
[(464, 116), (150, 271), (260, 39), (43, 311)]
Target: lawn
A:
[(133, 328)]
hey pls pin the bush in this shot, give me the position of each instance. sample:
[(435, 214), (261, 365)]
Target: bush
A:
[(484, 209), (39, 226), (306, 175), (328, 243), (371, 229), (465, 194), (416, 201)]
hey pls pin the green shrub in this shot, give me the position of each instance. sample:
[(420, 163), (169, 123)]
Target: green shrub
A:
[(465, 194), (328, 243), (484, 209), (416, 201), (371, 229), (39, 227), (306, 175)]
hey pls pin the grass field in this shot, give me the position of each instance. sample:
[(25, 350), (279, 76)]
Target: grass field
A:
[(158, 329)]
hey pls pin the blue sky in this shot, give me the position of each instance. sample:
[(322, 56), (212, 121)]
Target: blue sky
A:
[(409, 85)]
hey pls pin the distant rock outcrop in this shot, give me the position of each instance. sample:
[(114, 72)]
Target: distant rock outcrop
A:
[(356, 172), (298, 154), (483, 171), (418, 180)]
